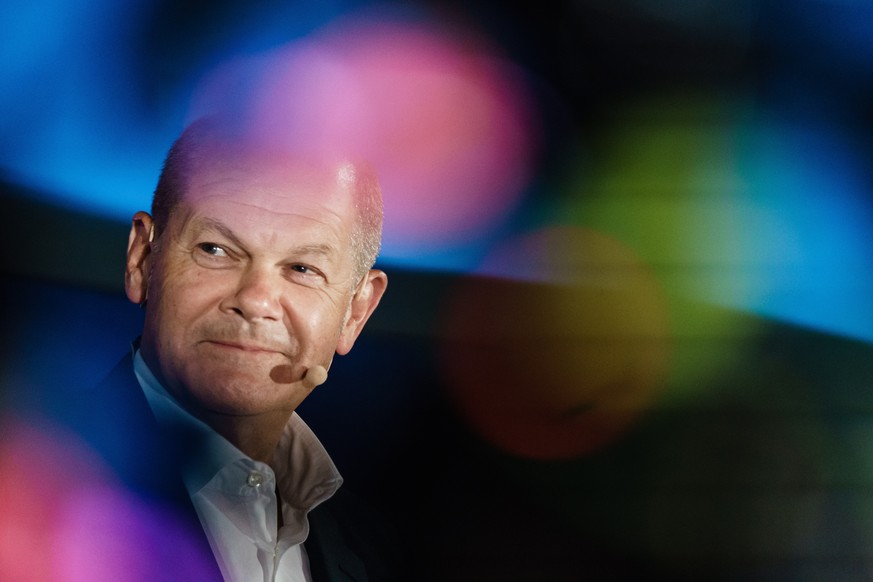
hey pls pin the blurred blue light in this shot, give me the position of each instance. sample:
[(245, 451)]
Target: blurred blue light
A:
[(76, 126), (72, 129), (838, 28), (811, 178)]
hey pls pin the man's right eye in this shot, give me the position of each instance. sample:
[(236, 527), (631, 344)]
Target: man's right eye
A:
[(211, 255), (212, 249)]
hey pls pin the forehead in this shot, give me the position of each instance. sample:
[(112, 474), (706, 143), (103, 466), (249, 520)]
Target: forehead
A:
[(274, 205), (272, 181)]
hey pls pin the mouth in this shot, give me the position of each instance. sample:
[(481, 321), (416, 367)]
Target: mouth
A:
[(243, 347)]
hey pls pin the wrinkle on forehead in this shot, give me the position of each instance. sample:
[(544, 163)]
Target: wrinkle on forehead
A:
[(270, 203), (273, 182), (249, 223), (304, 167), (223, 144)]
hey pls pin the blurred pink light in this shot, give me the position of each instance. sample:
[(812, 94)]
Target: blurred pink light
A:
[(446, 123), (64, 516)]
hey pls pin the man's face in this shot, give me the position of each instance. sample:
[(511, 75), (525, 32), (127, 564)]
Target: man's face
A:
[(250, 284)]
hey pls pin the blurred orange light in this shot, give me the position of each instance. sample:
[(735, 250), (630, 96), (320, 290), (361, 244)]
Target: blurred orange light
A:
[(562, 364)]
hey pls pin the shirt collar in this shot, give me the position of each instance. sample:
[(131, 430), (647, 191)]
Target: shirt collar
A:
[(305, 473), (298, 449)]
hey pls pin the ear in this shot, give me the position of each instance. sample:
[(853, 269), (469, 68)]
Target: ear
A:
[(364, 303), (139, 249)]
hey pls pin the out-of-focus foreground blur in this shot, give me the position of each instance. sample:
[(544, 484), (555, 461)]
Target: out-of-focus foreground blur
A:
[(630, 247)]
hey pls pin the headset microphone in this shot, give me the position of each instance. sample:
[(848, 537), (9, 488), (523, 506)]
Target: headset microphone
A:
[(314, 376)]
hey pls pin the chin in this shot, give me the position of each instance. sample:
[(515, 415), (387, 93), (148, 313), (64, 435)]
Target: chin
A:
[(240, 396), (242, 407)]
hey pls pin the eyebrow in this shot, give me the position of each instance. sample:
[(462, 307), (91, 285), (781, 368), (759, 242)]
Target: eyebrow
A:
[(203, 224), (315, 249), (206, 223)]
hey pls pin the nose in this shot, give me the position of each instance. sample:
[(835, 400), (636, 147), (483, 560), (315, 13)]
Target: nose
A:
[(256, 297)]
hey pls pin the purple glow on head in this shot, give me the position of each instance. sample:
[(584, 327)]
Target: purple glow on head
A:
[(446, 125)]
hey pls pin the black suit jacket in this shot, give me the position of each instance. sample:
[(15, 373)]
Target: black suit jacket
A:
[(115, 420)]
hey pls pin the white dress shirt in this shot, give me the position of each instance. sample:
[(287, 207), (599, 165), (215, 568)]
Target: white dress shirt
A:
[(235, 496)]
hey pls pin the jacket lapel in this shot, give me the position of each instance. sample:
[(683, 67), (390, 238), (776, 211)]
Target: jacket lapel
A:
[(330, 558), (115, 420)]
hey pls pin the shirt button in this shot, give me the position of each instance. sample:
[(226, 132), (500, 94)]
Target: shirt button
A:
[(255, 479)]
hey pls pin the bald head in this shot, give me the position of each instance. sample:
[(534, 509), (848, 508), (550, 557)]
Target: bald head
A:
[(211, 142)]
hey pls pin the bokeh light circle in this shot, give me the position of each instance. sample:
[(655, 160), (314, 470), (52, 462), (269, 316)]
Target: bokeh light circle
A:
[(65, 515), (445, 121), (562, 358)]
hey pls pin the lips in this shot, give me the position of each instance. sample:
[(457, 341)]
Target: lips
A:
[(244, 346)]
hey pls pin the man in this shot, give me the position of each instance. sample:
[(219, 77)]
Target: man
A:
[(254, 269)]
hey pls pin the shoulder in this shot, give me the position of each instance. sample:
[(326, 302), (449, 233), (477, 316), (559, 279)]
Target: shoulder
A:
[(115, 421), (116, 486)]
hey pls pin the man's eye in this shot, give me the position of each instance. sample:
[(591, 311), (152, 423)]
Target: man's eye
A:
[(305, 274), (212, 256), (212, 249)]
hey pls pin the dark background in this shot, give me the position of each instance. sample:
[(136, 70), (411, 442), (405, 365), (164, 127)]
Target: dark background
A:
[(752, 461)]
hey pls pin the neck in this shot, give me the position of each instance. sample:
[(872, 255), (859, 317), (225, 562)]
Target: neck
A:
[(257, 435)]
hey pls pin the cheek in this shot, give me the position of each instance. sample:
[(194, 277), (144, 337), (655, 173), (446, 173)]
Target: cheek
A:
[(185, 295), (319, 318)]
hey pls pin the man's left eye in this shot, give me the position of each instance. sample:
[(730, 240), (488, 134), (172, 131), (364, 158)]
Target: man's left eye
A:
[(305, 274)]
